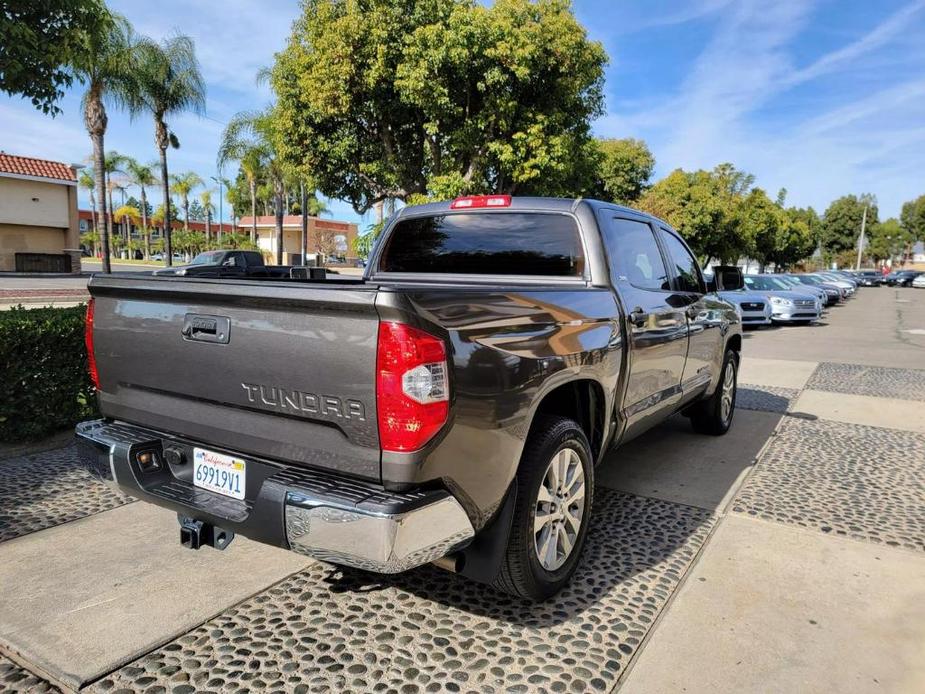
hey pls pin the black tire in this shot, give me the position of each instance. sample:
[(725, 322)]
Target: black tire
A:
[(522, 573), (707, 416)]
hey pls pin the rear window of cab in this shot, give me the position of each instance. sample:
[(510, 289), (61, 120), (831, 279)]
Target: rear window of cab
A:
[(486, 243)]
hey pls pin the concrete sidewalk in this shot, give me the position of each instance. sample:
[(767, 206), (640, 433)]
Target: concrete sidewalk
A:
[(81, 599), (814, 579)]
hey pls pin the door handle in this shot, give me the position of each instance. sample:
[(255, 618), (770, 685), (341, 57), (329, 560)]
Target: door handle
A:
[(638, 317)]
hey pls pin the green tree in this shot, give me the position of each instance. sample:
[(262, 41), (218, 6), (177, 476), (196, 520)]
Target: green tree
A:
[(394, 99), (705, 207), (39, 41), (841, 224), (169, 83), (888, 239), (780, 236), (625, 168), (763, 221), (912, 218), (104, 61), (142, 175)]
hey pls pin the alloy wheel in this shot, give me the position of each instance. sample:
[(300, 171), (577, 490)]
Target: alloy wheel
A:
[(729, 386), (559, 510)]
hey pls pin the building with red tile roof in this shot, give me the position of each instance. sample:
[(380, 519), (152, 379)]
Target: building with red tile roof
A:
[(12, 165), (39, 227)]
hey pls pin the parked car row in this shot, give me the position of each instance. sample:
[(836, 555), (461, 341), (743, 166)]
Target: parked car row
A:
[(792, 298), (903, 278), (875, 278)]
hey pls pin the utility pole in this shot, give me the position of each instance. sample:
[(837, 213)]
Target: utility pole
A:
[(861, 238)]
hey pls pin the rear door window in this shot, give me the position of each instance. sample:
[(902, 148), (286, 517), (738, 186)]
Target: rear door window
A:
[(634, 249), (685, 270), (486, 243)]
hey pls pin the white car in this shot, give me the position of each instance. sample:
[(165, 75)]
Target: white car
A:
[(919, 282)]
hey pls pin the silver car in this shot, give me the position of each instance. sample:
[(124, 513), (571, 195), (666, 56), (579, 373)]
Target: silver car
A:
[(753, 308), (786, 305), (826, 296), (838, 281)]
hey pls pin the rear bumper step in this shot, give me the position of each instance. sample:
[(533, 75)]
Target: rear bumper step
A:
[(318, 513)]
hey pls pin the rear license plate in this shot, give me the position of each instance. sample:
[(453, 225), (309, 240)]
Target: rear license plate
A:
[(222, 474)]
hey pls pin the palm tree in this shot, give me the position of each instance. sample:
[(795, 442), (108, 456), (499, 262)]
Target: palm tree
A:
[(183, 185), (170, 82), (87, 181), (104, 61), (127, 214), (251, 136), (205, 197), (112, 164), (142, 175), (237, 145)]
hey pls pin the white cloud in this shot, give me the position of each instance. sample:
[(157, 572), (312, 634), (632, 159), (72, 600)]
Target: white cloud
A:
[(880, 35), (855, 140), (234, 38)]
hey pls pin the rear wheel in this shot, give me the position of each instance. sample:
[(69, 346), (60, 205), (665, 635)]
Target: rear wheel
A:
[(714, 415), (555, 483)]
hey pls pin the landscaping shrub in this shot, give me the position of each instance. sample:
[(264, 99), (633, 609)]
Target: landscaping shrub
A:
[(43, 372)]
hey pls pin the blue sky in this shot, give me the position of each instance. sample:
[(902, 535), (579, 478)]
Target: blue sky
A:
[(823, 97)]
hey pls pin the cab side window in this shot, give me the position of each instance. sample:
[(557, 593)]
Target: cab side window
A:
[(685, 267), (639, 258)]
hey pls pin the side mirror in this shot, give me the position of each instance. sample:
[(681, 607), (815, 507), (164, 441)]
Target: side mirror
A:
[(727, 278)]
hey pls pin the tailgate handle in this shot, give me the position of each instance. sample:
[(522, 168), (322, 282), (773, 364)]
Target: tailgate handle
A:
[(203, 328)]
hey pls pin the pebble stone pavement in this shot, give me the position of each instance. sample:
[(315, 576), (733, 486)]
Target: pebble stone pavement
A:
[(326, 628)]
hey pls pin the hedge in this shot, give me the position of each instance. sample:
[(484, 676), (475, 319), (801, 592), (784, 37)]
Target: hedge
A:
[(43, 372)]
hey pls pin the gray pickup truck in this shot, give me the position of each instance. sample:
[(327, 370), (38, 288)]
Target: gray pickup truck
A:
[(448, 407)]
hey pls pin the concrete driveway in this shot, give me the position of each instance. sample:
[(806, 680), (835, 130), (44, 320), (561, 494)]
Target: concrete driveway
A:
[(788, 555)]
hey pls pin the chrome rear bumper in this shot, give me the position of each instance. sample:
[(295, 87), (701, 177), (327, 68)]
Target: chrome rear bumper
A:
[(319, 513)]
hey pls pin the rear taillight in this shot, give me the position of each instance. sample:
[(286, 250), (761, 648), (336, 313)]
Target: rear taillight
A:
[(412, 390), (88, 339)]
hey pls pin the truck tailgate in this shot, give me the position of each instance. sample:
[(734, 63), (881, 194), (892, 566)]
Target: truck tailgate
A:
[(279, 370)]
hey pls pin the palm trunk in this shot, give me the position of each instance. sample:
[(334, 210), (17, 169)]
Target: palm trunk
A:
[(96, 228), (110, 219), (279, 226), (253, 187), (144, 224), (165, 184), (95, 121), (162, 140), (100, 176), (208, 226), (185, 213)]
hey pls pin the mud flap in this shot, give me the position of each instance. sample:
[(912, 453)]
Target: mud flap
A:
[(481, 560)]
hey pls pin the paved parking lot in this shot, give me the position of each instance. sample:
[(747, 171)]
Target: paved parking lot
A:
[(787, 556)]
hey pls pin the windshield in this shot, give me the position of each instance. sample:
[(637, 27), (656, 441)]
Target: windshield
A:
[(207, 258), (763, 283)]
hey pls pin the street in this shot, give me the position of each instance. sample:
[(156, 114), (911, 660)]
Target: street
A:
[(788, 555)]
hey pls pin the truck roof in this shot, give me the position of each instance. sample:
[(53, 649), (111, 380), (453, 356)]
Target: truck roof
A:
[(534, 204)]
